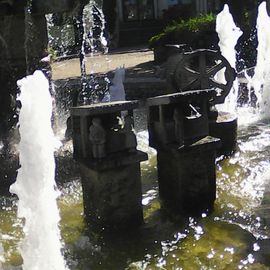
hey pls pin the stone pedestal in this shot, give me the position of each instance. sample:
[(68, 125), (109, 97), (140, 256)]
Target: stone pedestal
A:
[(112, 193), (105, 148), (187, 176), (225, 128), (179, 131)]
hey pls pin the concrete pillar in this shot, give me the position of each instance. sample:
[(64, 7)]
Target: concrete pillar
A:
[(225, 128), (187, 177), (178, 130), (109, 165), (112, 196)]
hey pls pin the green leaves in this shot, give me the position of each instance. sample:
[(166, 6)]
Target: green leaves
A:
[(193, 25)]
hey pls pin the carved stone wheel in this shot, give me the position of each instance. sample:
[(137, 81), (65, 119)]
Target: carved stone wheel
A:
[(197, 70)]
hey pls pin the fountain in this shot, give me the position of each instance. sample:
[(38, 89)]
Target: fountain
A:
[(35, 185), (232, 236), (260, 80), (228, 35), (41, 247), (23, 22)]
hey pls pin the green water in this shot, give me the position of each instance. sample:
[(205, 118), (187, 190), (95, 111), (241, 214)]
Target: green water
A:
[(234, 236)]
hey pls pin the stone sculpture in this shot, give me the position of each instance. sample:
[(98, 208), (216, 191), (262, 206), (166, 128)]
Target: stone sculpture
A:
[(131, 142), (97, 137), (117, 90), (112, 193)]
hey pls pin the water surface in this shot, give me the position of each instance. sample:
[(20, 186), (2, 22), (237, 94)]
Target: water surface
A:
[(234, 236)]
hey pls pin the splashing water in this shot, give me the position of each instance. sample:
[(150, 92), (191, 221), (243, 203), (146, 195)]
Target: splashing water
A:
[(94, 26), (93, 40), (35, 185), (93, 32), (260, 80), (228, 35)]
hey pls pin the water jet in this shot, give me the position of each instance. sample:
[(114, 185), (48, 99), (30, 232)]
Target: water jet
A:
[(234, 231)]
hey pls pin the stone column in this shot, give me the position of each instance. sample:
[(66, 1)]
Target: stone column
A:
[(178, 130), (112, 193), (187, 176), (109, 165), (225, 128)]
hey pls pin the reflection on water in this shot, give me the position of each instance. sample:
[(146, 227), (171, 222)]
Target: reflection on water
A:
[(234, 236)]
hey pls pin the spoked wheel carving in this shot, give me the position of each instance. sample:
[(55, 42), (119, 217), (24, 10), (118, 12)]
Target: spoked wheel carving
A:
[(197, 70)]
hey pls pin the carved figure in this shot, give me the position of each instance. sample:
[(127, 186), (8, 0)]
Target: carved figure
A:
[(131, 142), (117, 90), (97, 137)]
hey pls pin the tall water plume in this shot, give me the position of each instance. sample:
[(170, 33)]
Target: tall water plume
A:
[(86, 36), (35, 185), (94, 27), (93, 41), (260, 80), (228, 34)]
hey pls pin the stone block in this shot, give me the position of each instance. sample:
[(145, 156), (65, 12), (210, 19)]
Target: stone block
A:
[(112, 197), (187, 176), (225, 128)]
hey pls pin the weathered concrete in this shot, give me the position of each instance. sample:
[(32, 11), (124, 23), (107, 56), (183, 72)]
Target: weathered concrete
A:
[(187, 176), (109, 114), (180, 118), (109, 165), (133, 59), (225, 128), (112, 193), (178, 130)]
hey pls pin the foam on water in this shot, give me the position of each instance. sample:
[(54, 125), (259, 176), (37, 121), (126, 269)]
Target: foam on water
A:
[(35, 185)]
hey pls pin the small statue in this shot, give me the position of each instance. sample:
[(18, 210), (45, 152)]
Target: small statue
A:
[(131, 141), (117, 90), (97, 137)]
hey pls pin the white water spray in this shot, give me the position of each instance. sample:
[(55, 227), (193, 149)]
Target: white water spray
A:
[(90, 12), (35, 185), (228, 34), (260, 80)]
